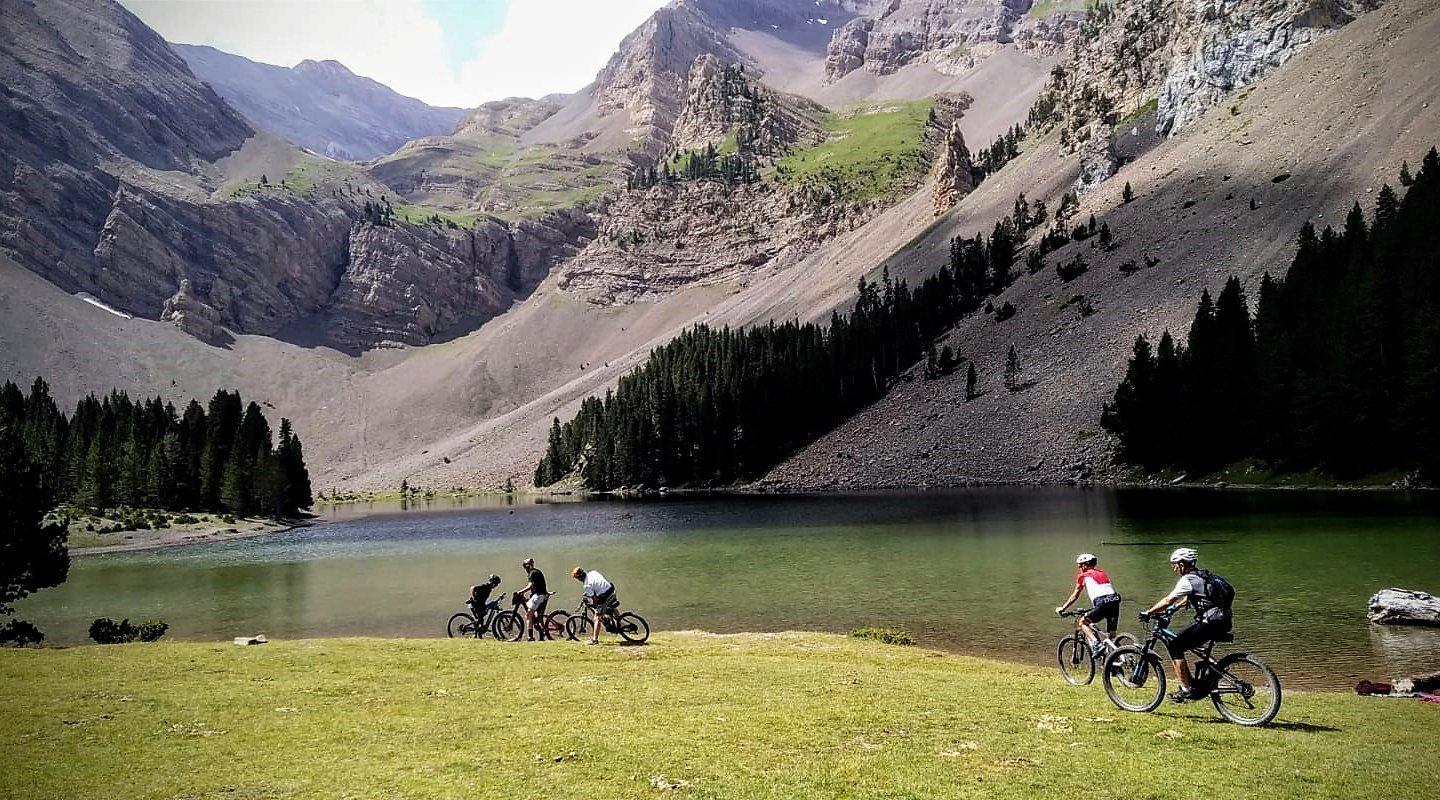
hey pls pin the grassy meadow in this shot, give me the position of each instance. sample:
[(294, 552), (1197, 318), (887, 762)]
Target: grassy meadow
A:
[(691, 715), (869, 150)]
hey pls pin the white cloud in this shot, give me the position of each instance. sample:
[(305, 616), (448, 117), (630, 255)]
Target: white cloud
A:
[(543, 46)]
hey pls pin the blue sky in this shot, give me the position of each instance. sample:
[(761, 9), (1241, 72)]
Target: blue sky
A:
[(445, 52)]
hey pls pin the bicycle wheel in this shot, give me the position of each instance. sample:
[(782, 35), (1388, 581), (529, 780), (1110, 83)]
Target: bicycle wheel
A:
[(1123, 639), (461, 625), (1247, 691), (632, 628), (577, 626), (557, 624), (1134, 679), (509, 626), (1076, 665)]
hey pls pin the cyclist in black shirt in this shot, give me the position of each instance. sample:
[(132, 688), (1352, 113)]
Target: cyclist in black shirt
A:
[(539, 595), (480, 595)]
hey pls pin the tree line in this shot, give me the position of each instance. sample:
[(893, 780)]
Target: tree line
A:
[(1338, 371), (717, 406), (115, 451)]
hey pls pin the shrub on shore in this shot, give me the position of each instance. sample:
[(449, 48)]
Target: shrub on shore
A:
[(886, 635)]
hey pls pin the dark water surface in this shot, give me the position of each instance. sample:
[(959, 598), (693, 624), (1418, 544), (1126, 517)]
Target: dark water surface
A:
[(976, 571)]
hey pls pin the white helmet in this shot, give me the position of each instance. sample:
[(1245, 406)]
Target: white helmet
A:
[(1086, 558), (1184, 554)]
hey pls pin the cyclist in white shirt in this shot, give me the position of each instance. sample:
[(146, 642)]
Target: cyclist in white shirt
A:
[(598, 593)]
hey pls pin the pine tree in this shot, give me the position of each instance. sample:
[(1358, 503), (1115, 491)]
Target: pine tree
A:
[(1128, 195), (970, 382), (1012, 370), (33, 554)]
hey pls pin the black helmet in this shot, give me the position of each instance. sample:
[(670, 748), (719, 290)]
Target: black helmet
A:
[(493, 580)]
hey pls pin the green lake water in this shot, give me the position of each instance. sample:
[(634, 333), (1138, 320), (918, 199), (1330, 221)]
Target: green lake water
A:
[(975, 571)]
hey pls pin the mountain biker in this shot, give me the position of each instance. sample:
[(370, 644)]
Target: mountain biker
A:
[(598, 593), (1211, 620), (1105, 601), (480, 595), (539, 596)]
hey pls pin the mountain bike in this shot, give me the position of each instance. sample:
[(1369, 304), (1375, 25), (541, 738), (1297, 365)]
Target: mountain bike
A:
[(1244, 689), (1077, 658), (631, 626), (510, 625), (475, 623)]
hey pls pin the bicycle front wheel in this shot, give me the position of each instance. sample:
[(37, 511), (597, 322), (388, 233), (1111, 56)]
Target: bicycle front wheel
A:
[(632, 628), (1076, 665), (577, 626), (1134, 679), (1247, 691), (461, 625), (509, 626)]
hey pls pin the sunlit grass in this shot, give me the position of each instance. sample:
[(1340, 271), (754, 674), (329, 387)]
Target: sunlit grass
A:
[(868, 150), (773, 716)]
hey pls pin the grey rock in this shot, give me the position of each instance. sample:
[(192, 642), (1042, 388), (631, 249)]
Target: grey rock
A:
[(1404, 607)]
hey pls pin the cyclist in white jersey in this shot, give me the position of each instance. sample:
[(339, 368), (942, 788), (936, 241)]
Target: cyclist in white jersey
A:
[(598, 593), (1104, 600)]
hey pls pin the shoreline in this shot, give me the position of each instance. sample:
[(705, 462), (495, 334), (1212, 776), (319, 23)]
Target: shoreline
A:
[(135, 540)]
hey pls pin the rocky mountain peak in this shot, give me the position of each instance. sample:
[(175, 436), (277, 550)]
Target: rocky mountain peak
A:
[(723, 101)]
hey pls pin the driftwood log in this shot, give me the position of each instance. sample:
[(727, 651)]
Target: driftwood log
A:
[(1404, 607)]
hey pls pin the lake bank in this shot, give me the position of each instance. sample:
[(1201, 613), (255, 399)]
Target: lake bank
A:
[(753, 715), (206, 530)]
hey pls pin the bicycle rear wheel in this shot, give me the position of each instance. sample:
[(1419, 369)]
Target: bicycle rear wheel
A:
[(1134, 679), (1123, 639), (1076, 665), (461, 625), (509, 626), (556, 624), (1247, 691), (632, 628)]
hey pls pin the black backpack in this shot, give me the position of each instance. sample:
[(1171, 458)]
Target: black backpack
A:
[(1218, 591)]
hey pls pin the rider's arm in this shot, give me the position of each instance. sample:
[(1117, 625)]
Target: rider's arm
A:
[(1177, 601), (1071, 599)]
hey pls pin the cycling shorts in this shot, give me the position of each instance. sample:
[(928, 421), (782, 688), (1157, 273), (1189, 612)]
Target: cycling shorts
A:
[(1108, 609), (605, 601), (1195, 635), (537, 602)]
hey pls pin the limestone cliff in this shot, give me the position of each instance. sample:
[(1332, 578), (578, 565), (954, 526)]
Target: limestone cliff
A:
[(951, 34), (122, 175), (722, 102)]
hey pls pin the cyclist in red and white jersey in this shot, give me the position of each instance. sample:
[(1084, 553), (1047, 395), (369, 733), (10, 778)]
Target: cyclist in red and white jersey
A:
[(1104, 600)]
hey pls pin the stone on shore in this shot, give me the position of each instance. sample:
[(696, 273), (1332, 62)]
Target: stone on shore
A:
[(1404, 607)]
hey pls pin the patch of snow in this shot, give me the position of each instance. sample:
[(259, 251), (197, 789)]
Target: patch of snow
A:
[(823, 21), (95, 301), (776, 27)]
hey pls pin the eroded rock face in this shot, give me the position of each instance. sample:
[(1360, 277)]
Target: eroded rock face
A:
[(1235, 44), (407, 284), (1098, 160), (955, 173), (654, 241), (949, 33), (721, 100), (509, 118), (189, 314), (1183, 55)]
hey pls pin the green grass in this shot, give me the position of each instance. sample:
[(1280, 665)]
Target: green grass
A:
[(869, 150), (753, 716), (424, 215), (1150, 107)]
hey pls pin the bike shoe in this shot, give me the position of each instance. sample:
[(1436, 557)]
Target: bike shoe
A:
[(1181, 696)]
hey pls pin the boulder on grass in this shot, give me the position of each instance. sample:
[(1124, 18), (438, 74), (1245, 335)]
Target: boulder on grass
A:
[(1404, 607)]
